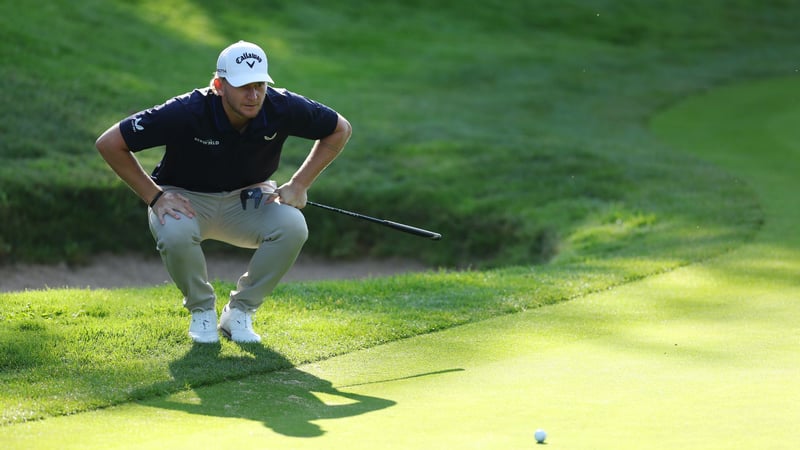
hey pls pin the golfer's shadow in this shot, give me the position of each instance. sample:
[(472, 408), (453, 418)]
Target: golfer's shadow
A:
[(286, 399)]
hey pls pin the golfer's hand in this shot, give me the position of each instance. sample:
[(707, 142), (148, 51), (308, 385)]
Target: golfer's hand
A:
[(292, 194), (173, 204)]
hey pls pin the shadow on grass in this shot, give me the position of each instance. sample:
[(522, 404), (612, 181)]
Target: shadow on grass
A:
[(287, 400)]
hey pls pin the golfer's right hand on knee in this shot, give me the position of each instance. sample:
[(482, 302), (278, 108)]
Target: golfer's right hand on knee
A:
[(173, 204)]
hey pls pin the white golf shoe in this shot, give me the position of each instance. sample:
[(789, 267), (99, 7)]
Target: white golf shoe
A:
[(203, 328), (237, 325)]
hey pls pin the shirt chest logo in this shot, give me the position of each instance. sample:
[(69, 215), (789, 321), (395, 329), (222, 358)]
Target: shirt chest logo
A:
[(207, 142), (269, 138)]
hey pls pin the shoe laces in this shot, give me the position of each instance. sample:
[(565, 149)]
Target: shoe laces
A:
[(202, 318), (246, 320)]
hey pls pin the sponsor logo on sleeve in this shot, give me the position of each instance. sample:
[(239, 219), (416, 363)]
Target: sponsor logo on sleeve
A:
[(136, 125)]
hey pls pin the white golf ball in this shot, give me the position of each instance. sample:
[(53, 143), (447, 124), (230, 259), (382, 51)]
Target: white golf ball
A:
[(540, 436)]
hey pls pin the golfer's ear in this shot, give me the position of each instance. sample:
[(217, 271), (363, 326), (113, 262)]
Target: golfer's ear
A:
[(218, 84)]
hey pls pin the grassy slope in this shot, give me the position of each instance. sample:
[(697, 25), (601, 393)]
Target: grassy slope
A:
[(697, 358), (501, 119), (524, 142)]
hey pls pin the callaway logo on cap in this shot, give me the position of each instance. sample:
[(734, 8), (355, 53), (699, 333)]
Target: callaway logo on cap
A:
[(243, 63)]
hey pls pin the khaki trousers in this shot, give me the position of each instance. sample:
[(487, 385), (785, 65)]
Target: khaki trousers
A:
[(276, 233)]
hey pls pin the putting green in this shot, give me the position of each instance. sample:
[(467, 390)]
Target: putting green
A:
[(704, 357)]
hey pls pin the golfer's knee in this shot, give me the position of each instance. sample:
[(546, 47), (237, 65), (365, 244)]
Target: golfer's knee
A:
[(292, 226), (297, 229), (175, 237)]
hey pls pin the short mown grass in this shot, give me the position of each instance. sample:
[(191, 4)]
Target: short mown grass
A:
[(518, 131)]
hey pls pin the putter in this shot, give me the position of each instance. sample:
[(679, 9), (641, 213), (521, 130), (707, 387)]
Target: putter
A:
[(388, 223)]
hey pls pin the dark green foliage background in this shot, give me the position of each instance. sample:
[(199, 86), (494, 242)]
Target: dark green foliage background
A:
[(514, 128)]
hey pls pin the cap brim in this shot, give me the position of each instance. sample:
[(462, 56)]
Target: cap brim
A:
[(241, 81)]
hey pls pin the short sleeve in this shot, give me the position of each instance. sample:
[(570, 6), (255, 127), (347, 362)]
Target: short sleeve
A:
[(151, 127), (308, 118)]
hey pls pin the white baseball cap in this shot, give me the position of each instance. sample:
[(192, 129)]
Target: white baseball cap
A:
[(243, 63)]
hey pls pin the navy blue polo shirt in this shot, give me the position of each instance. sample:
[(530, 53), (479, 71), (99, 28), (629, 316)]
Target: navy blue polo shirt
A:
[(204, 153)]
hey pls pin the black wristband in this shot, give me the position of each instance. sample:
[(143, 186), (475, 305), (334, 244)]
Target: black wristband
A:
[(155, 199)]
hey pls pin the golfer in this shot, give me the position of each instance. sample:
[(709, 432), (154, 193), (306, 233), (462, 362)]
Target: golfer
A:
[(221, 146)]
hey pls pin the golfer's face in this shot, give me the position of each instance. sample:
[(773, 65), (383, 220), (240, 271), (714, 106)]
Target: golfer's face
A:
[(244, 101)]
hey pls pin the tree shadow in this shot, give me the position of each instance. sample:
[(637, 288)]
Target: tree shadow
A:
[(286, 400)]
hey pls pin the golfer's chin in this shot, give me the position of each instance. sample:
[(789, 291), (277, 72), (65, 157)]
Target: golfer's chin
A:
[(249, 112)]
